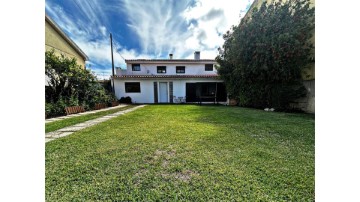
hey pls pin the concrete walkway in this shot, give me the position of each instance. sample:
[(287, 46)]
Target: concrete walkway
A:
[(84, 113), (71, 129)]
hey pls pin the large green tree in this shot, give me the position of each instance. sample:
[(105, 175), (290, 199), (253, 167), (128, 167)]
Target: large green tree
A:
[(70, 85), (262, 58)]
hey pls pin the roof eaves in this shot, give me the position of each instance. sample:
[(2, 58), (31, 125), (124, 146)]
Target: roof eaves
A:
[(254, 4), (169, 60), (71, 42)]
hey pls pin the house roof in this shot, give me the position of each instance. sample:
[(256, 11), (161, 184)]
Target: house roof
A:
[(169, 76), (254, 4), (132, 61), (71, 42)]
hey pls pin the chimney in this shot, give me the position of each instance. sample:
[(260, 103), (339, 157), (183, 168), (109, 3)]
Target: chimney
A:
[(170, 56), (197, 55), (119, 71)]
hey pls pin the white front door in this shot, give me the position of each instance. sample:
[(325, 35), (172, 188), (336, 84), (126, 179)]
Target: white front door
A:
[(163, 92)]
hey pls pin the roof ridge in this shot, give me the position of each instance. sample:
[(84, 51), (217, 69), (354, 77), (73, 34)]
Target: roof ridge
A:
[(169, 76)]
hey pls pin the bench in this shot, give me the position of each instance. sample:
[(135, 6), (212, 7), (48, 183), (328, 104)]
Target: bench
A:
[(74, 110), (100, 106)]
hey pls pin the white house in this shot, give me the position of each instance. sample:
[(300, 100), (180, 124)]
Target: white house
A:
[(170, 81)]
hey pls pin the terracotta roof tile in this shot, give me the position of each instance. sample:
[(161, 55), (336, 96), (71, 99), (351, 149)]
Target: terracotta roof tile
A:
[(200, 60), (169, 60)]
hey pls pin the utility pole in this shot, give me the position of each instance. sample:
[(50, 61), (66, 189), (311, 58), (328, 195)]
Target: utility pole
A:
[(112, 61)]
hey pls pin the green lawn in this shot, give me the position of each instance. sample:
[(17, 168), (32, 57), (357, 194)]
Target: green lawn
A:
[(56, 125), (186, 152)]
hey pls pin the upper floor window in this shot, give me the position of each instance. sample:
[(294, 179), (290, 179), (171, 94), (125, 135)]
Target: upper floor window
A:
[(209, 67), (136, 67), (161, 69), (132, 87), (180, 69)]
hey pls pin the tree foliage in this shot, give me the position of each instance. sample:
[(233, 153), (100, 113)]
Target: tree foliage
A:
[(263, 57), (70, 85)]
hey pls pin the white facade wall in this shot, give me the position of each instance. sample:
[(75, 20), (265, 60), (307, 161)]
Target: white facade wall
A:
[(151, 69), (147, 88), (145, 96)]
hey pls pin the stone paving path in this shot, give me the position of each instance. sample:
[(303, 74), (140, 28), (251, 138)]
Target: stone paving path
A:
[(71, 129), (84, 113)]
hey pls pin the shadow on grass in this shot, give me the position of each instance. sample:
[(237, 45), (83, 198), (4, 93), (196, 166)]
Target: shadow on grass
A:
[(186, 152)]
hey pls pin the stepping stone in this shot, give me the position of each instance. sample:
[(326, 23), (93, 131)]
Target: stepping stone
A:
[(48, 140), (103, 119), (65, 134), (52, 134), (71, 128), (55, 119), (85, 124), (109, 116), (118, 113), (74, 115)]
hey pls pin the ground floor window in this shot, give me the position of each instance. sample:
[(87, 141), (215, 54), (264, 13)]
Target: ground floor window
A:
[(132, 87)]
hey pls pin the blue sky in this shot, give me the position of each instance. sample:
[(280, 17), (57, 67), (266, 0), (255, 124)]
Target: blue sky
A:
[(145, 28)]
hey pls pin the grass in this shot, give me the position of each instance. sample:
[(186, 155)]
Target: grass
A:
[(56, 125), (186, 153)]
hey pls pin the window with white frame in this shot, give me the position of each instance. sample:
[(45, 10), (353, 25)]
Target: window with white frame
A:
[(136, 67), (209, 67), (180, 69), (161, 69), (132, 87)]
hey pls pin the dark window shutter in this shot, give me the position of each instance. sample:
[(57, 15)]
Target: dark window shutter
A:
[(171, 92), (155, 93)]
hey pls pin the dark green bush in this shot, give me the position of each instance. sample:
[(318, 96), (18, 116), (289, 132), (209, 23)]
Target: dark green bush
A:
[(70, 85), (263, 57), (56, 108), (126, 100)]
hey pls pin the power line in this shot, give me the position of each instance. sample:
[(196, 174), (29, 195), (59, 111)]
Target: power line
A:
[(120, 55), (118, 51)]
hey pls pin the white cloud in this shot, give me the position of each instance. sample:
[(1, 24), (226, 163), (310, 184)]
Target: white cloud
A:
[(100, 51), (158, 25), (161, 27), (181, 28), (103, 30), (214, 18), (83, 34), (92, 24)]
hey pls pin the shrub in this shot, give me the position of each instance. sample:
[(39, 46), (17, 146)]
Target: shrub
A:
[(70, 85), (57, 108), (48, 109), (263, 57), (126, 100)]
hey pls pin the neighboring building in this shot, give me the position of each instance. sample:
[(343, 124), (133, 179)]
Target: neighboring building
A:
[(57, 40), (306, 104), (170, 81)]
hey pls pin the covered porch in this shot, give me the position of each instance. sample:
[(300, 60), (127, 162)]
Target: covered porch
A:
[(205, 92)]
